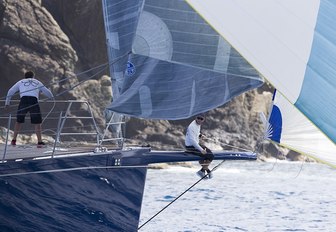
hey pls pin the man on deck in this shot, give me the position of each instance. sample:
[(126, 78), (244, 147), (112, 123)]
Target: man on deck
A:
[(29, 89), (192, 145)]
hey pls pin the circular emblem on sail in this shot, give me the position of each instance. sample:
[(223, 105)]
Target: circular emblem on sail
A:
[(153, 38), (130, 70)]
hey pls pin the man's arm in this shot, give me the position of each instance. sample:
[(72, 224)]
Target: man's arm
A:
[(46, 92), (11, 92)]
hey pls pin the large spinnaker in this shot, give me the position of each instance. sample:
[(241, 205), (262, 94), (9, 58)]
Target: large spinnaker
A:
[(178, 66), (291, 43)]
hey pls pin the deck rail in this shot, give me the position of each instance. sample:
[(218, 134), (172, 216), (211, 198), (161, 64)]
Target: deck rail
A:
[(70, 112)]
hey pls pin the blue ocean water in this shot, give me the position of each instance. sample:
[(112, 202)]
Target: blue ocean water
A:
[(243, 196)]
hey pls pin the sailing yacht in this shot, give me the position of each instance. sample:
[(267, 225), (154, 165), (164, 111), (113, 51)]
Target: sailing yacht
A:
[(172, 60), (166, 62)]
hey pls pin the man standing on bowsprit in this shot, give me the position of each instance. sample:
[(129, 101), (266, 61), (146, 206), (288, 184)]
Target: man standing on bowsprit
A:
[(29, 89)]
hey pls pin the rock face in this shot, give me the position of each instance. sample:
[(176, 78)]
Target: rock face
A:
[(31, 39), (58, 38), (82, 21)]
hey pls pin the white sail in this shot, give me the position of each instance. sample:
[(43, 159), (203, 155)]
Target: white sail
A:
[(291, 43)]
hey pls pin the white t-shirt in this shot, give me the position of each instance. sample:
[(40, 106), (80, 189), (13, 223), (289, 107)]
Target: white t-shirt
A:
[(28, 87), (192, 135)]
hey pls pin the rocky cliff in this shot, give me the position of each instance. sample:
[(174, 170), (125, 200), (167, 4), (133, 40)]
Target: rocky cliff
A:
[(59, 39), (31, 39)]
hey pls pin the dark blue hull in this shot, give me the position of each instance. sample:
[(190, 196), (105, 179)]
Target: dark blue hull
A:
[(84, 193)]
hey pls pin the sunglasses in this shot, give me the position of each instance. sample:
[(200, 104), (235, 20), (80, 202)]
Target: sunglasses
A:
[(200, 118)]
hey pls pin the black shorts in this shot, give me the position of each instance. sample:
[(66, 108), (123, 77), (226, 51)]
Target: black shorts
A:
[(208, 156), (29, 104)]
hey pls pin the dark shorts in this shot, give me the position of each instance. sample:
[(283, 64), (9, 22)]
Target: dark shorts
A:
[(208, 156), (29, 104)]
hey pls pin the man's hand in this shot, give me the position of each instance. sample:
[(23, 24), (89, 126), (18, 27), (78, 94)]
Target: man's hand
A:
[(203, 151)]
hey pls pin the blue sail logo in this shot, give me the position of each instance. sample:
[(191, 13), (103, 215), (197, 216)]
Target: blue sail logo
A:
[(130, 70)]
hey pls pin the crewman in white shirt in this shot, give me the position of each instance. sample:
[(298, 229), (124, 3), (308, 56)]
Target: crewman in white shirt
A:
[(29, 89), (192, 145)]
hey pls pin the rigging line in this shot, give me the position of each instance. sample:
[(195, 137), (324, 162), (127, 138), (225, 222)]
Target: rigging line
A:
[(52, 108), (258, 147), (78, 74), (79, 83), (67, 127), (104, 67), (62, 80), (276, 157), (65, 91), (217, 166), (71, 169), (226, 144), (275, 162), (303, 161)]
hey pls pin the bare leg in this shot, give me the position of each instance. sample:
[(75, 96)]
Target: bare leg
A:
[(17, 128), (38, 132)]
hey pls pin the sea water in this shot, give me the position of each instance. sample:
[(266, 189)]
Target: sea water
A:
[(242, 196)]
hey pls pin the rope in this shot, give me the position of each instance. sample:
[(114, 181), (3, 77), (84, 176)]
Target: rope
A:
[(276, 160), (60, 81), (303, 161), (65, 91), (54, 129), (102, 67), (218, 165), (228, 145), (52, 108)]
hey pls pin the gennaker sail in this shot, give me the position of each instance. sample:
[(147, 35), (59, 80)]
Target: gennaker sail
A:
[(177, 64), (291, 43)]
